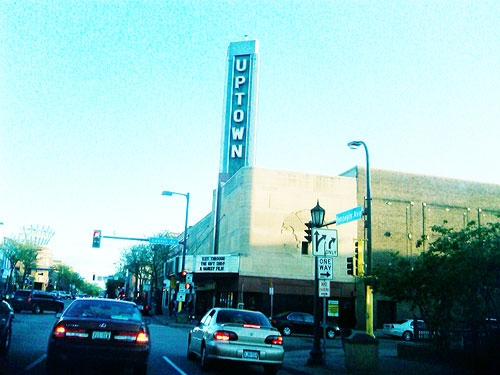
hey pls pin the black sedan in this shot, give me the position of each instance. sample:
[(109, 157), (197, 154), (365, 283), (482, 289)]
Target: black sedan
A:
[(6, 315), (299, 322), (99, 331)]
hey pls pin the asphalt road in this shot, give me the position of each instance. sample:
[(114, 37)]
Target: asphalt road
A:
[(168, 350)]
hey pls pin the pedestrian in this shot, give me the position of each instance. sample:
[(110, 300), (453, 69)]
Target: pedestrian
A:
[(347, 322)]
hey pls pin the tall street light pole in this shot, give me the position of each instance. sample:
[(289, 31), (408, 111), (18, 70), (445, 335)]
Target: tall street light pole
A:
[(184, 244), (369, 292), (316, 354)]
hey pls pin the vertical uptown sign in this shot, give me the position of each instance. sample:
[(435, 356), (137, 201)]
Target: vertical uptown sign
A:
[(238, 132)]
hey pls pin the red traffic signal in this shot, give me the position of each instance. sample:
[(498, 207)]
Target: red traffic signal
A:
[(96, 241), (184, 273), (188, 286)]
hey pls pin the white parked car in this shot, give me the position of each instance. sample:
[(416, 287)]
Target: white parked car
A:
[(403, 329), (236, 335)]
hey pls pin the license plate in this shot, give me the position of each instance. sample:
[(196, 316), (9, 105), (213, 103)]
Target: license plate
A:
[(251, 354), (101, 335)]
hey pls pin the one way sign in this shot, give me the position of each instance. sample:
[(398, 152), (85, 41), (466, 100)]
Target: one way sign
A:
[(325, 268)]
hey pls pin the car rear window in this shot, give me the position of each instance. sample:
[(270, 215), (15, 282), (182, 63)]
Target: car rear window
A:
[(242, 317), (103, 310)]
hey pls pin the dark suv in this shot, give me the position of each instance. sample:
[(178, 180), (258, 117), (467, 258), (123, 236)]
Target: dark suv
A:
[(36, 301)]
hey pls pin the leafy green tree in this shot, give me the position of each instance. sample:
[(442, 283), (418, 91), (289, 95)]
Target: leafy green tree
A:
[(18, 252), (29, 256), (454, 284), (145, 262)]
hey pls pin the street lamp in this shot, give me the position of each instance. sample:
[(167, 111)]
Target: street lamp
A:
[(369, 294), (170, 193), (316, 354)]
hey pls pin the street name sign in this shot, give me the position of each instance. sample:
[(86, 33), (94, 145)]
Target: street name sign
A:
[(324, 242), (325, 268), (163, 241), (324, 288), (352, 214)]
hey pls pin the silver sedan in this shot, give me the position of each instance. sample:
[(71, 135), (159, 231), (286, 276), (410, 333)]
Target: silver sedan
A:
[(236, 335)]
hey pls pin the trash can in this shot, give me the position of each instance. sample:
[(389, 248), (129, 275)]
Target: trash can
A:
[(361, 353)]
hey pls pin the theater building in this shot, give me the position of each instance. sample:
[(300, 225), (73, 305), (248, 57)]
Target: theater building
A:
[(250, 250), (261, 234)]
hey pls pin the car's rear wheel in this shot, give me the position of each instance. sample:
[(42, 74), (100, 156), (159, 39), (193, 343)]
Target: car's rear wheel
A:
[(330, 333), (5, 342), (51, 365), (286, 331), (407, 336), (271, 369), (190, 355), (204, 361)]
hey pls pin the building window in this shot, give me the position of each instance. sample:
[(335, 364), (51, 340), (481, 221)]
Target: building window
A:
[(305, 246)]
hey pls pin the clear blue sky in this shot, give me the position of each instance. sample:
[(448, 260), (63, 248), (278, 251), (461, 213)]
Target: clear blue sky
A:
[(105, 104)]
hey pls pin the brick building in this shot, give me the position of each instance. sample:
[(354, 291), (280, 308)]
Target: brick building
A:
[(261, 234)]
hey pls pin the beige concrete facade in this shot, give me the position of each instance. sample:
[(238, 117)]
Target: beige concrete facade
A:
[(263, 214)]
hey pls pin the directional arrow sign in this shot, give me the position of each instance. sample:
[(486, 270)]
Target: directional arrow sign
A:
[(325, 268), (324, 242)]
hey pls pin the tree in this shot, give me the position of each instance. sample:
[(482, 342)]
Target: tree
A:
[(18, 252), (454, 285), (145, 262), (29, 256)]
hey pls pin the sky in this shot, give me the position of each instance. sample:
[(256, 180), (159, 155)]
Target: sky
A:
[(105, 104)]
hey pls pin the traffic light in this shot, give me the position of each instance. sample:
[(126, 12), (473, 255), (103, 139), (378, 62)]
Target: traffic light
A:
[(359, 266), (93, 277), (350, 266), (308, 235), (96, 242), (188, 287), (184, 273)]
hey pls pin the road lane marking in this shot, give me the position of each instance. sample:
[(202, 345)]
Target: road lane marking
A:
[(174, 365), (30, 366)]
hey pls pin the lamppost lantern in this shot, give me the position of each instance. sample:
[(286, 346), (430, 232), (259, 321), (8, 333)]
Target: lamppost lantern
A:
[(318, 215), (354, 144)]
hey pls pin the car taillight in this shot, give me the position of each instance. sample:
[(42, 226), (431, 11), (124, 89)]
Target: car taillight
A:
[(273, 321), (59, 331), (392, 326), (126, 336), (225, 336), (77, 333), (274, 340), (142, 338)]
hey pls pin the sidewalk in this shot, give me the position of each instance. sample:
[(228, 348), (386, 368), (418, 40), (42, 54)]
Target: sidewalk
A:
[(295, 361), (389, 363)]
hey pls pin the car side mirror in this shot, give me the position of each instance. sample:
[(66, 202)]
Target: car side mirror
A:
[(58, 315), (147, 320)]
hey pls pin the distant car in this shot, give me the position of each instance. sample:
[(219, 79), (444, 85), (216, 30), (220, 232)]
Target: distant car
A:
[(99, 331), (403, 329), (236, 335), (36, 301), (142, 305), (299, 322), (6, 316)]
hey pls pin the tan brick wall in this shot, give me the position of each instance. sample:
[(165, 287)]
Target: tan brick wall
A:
[(268, 209)]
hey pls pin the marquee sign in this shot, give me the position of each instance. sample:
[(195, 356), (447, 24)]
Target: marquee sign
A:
[(217, 263), (237, 149)]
